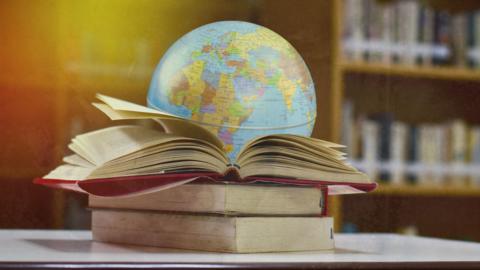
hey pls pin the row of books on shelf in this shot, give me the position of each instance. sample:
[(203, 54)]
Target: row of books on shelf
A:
[(397, 152), (410, 33)]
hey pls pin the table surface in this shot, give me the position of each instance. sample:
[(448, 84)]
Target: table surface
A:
[(53, 249)]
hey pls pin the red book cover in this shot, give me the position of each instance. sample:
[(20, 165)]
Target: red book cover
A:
[(130, 185)]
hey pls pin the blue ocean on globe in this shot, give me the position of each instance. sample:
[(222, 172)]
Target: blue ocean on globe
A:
[(237, 79)]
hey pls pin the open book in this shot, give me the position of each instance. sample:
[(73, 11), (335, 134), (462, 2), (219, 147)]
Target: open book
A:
[(128, 159)]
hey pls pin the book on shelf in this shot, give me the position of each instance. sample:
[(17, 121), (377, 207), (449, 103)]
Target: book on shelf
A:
[(433, 152), (412, 152), (474, 145), (442, 36), (408, 24), (214, 232), (128, 159), (373, 29), (474, 39), (349, 130), (458, 150), (353, 29), (410, 33), (427, 153), (370, 142), (398, 145), (425, 36), (460, 39), (388, 35), (384, 122), (440, 152)]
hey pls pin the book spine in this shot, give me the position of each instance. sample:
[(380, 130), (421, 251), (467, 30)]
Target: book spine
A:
[(427, 25), (426, 157), (356, 139), (471, 60), (442, 38), (459, 30), (398, 152), (475, 155), (384, 121), (421, 32), (348, 29), (370, 132), (358, 25), (411, 11), (374, 23), (458, 151), (387, 33), (397, 33), (348, 130), (347, 109), (439, 153), (413, 152), (476, 51)]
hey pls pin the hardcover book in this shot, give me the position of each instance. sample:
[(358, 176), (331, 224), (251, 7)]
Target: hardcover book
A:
[(224, 198), (223, 233)]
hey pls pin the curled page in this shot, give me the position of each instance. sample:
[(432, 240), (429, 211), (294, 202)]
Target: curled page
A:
[(117, 109)]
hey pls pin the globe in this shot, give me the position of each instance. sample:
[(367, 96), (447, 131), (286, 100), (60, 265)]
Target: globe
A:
[(237, 79)]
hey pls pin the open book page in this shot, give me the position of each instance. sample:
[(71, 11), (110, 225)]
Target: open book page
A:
[(297, 138), (126, 115), (136, 150), (106, 144), (281, 170), (173, 155), (171, 148), (289, 145), (189, 129), (297, 158), (117, 109), (122, 105), (328, 153), (81, 153), (77, 160), (294, 156), (69, 172)]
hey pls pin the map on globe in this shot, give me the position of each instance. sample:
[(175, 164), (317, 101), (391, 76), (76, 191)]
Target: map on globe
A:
[(237, 79)]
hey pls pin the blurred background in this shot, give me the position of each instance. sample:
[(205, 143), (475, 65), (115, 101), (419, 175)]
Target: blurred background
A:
[(397, 81)]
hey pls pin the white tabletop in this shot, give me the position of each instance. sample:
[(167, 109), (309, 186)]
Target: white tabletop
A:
[(30, 247)]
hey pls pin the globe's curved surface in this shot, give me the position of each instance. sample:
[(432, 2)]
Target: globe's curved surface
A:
[(237, 79)]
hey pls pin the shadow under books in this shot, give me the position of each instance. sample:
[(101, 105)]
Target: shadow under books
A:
[(88, 246)]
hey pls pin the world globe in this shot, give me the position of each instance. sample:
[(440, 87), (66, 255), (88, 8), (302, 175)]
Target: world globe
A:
[(237, 79)]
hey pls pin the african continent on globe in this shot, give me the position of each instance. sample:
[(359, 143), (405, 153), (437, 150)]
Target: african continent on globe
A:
[(237, 79)]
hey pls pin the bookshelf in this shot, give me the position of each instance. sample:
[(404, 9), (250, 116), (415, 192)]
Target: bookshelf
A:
[(349, 74), (441, 73)]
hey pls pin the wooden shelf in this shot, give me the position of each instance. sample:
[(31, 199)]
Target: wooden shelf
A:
[(410, 190), (444, 73)]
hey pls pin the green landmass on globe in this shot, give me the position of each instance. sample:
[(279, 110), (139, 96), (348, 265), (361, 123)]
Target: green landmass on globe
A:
[(237, 79)]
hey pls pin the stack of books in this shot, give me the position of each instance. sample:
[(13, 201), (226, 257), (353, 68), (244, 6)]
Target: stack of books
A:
[(217, 217), (179, 189)]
